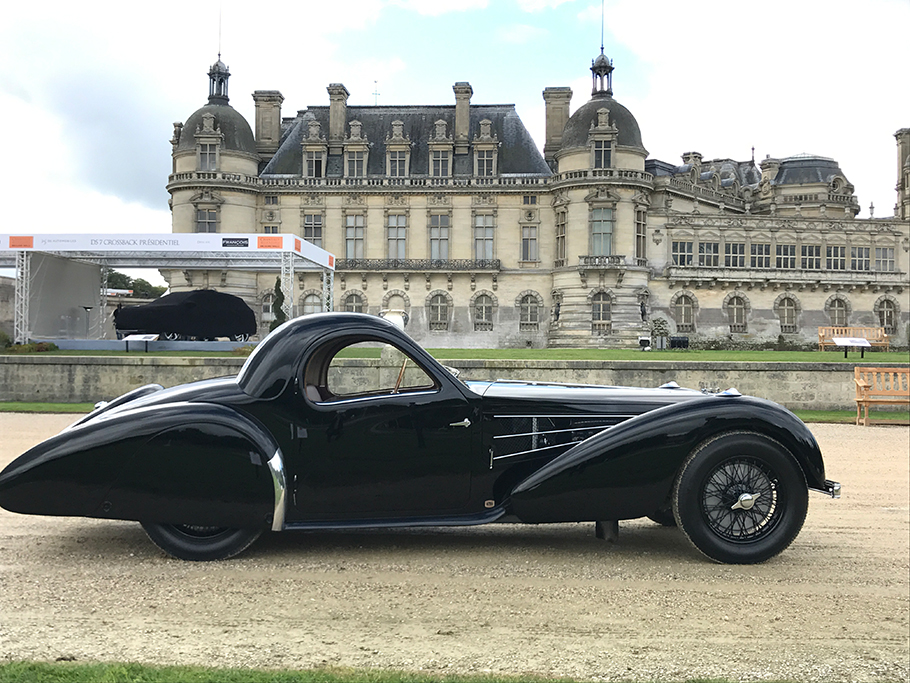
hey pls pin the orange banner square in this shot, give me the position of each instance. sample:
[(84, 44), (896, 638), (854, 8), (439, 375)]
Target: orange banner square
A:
[(269, 242), (21, 242)]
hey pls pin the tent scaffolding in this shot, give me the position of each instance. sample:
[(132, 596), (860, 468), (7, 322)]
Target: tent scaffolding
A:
[(286, 254)]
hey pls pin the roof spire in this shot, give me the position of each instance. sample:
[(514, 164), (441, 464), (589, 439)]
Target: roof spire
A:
[(218, 82), (602, 75)]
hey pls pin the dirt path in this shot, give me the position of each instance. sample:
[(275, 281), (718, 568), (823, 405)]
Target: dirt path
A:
[(549, 599)]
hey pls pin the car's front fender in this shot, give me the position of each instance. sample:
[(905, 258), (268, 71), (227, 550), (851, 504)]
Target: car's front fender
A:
[(187, 463), (627, 471)]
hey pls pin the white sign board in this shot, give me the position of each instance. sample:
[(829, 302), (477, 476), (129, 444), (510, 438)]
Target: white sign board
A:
[(212, 242), (851, 341)]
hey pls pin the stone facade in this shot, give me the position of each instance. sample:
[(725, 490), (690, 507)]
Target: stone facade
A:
[(452, 214)]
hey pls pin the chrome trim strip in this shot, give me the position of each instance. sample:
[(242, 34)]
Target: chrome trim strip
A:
[(373, 397), (577, 416), (535, 450), (832, 488), (555, 431), (279, 481)]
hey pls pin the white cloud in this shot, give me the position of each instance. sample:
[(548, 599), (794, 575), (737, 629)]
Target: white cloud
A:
[(540, 5), (521, 34), (434, 8)]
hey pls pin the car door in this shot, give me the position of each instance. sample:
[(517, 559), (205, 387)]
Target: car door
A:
[(396, 440)]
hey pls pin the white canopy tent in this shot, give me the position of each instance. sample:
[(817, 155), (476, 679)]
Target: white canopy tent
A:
[(192, 251)]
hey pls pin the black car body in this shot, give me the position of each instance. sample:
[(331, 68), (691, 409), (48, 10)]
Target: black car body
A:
[(293, 443), (200, 314)]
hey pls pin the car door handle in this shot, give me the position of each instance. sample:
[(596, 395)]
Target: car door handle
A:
[(464, 423)]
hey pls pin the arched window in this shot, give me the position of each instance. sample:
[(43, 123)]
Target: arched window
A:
[(529, 313), (353, 303), (736, 312), (483, 313), (886, 316), (837, 311), (439, 312), (684, 312), (601, 313), (312, 303), (786, 311), (267, 315)]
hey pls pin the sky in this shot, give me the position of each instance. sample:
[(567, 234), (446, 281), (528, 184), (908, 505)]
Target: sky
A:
[(89, 91)]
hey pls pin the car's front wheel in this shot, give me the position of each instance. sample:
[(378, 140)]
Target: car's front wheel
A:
[(200, 543), (740, 498)]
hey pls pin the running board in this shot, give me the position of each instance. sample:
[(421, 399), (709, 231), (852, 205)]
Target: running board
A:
[(461, 520)]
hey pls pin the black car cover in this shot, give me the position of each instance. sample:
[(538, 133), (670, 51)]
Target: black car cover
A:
[(203, 313)]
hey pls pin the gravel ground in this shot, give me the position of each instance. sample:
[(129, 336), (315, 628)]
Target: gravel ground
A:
[(513, 599)]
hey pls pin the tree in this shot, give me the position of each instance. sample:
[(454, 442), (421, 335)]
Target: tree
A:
[(277, 304), (117, 280), (142, 289)]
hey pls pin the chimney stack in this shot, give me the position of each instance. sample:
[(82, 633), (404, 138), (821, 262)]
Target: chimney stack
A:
[(463, 92), (557, 111), (338, 114), (268, 122)]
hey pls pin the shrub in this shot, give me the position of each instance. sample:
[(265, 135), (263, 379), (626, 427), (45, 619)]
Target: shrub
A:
[(33, 347)]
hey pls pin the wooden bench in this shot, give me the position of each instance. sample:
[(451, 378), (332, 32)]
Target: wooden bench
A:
[(880, 386), (875, 335)]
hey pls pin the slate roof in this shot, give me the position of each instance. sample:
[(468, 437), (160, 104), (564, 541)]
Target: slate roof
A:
[(579, 124), (805, 168), (238, 135), (517, 151)]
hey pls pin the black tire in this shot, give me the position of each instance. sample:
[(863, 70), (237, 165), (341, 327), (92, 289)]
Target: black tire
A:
[(200, 543), (712, 504), (664, 515)]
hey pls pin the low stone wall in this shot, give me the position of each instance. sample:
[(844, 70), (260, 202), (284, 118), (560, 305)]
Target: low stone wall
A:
[(71, 379)]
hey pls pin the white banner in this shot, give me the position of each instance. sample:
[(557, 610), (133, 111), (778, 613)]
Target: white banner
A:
[(212, 242)]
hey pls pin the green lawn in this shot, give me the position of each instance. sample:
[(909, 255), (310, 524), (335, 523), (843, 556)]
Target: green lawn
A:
[(66, 672)]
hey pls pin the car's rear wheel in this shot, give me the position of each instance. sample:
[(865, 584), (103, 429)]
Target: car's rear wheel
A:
[(200, 543), (740, 498)]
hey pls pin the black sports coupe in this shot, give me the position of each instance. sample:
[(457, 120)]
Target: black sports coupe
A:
[(311, 435)]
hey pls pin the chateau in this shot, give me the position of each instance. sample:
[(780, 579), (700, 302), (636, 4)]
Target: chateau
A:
[(452, 214)]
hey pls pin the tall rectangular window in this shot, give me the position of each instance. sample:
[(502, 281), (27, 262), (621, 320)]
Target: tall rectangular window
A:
[(560, 239), (735, 255), (836, 258), (681, 253), (270, 229), (271, 200), (440, 163), (312, 228), (859, 258), (353, 236), (811, 257), (602, 153), (761, 256), (709, 254), (314, 164), (397, 236), (485, 162), (398, 164), (601, 232), (208, 157), (529, 243), (529, 200), (206, 220), (483, 236), (884, 259), (786, 256), (355, 164), (641, 238), (439, 236)]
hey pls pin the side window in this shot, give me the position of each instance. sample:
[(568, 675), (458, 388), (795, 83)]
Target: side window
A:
[(355, 368)]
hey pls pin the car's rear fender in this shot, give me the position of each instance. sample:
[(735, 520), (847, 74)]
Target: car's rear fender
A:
[(627, 471), (187, 463)]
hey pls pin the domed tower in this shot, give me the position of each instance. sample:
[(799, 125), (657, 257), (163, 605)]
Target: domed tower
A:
[(212, 153), (601, 200)]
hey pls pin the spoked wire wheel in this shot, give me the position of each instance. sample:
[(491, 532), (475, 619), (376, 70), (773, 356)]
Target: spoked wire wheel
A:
[(740, 498), (200, 543)]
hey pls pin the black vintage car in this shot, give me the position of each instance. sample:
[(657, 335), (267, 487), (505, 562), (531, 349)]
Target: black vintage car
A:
[(303, 440), (200, 314)]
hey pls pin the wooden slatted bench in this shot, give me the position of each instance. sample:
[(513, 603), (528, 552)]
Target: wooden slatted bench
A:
[(880, 386), (875, 335)]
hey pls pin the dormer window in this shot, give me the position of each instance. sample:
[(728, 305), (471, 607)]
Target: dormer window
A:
[(356, 161), (398, 164), (314, 150), (440, 163), (356, 150), (398, 151), (485, 151), (208, 143), (440, 151), (603, 153), (208, 157), (314, 164)]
